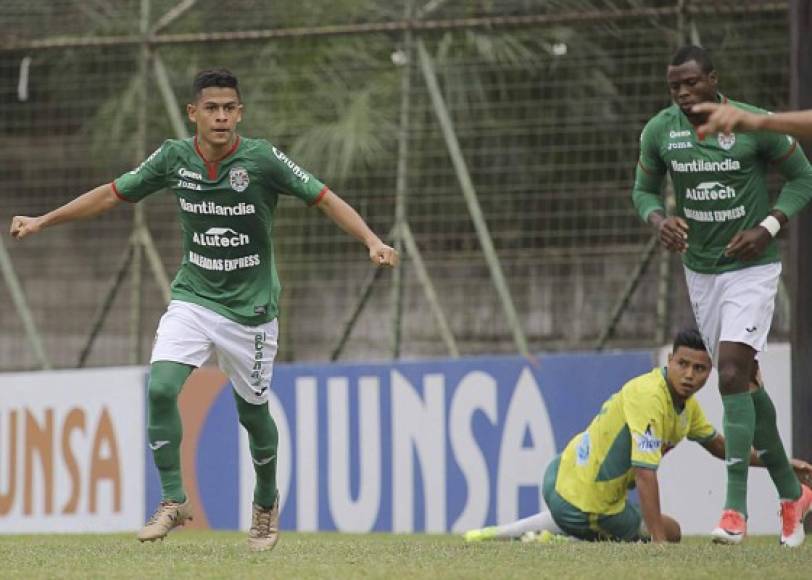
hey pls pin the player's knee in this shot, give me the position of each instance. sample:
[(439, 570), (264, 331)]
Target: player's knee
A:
[(733, 378), (673, 532), (162, 392)]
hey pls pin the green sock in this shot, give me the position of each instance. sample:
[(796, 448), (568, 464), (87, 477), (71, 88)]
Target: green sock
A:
[(739, 425), (164, 427), (263, 438), (768, 445)]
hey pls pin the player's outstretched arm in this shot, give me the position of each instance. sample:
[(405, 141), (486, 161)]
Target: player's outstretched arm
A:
[(87, 205), (348, 220), (727, 118)]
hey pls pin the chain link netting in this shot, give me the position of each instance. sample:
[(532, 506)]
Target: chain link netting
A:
[(547, 100)]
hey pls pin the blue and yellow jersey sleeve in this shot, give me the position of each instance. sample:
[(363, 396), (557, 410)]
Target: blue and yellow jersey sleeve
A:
[(699, 429), (645, 418), (151, 176)]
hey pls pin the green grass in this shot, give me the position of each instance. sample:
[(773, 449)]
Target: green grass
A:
[(201, 555)]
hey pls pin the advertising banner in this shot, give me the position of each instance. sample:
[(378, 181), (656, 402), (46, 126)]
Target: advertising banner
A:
[(71, 451)]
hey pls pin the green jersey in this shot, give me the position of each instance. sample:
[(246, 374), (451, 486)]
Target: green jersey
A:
[(719, 183), (226, 217)]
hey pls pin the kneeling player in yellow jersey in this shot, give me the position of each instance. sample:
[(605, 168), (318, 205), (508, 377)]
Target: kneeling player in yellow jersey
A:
[(586, 487)]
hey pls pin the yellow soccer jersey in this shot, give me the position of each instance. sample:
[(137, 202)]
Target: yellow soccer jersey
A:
[(635, 428)]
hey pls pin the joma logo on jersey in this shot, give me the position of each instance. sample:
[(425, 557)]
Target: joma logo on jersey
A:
[(647, 442), (703, 166), (183, 184), (221, 238), (710, 191), (680, 145), (297, 171)]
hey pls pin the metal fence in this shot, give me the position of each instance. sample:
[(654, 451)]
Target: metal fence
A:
[(423, 115)]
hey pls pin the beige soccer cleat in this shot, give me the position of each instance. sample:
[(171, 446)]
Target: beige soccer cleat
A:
[(264, 532), (169, 515)]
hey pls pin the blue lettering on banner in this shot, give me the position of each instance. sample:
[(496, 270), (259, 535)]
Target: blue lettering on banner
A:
[(436, 446)]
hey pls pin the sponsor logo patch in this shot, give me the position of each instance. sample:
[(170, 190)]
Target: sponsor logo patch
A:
[(647, 442), (703, 166), (583, 450), (710, 191)]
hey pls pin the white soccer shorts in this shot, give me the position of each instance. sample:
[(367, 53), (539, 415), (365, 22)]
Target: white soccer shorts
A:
[(189, 334), (734, 306)]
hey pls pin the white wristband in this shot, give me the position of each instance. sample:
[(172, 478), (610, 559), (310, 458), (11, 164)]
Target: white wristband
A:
[(771, 224)]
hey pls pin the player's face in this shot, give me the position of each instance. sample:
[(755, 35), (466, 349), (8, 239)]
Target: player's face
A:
[(689, 86), (688, 371), (216, 114)]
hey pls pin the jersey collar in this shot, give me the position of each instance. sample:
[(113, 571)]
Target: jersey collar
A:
[(212, 166), (677, 408)]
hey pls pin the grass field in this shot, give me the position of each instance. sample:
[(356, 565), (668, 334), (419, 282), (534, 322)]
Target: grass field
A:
[(223, 555)]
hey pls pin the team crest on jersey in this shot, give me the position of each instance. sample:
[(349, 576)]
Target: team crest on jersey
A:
[(238, 177), (726, 142)]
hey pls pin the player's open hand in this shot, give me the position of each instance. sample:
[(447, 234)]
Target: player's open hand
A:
[(22, 226), (803, 470), (724, 119), (748, 244), (383, 255), (674, 234)]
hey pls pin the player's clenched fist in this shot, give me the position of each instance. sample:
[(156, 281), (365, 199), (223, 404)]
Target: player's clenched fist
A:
[(674, 234), (383, 255), (22, 226)]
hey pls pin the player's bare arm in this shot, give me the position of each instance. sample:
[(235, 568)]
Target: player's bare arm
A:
[(673, 231), (649, 489), (726, 119), (348, 220), (86, 206), (749, 244)]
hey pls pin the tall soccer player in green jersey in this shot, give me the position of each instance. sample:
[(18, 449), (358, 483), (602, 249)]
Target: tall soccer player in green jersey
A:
[(225, 296), (724, 229)]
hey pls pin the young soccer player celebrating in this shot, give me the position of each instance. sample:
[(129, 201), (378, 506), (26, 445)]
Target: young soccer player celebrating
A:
[(225, 296), (586, 487), (724, 229)]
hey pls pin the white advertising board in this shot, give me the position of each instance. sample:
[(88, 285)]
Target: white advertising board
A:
[(72, 451)]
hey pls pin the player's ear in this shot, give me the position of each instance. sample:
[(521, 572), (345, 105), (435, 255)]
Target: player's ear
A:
[(191, 109), (713, 78)]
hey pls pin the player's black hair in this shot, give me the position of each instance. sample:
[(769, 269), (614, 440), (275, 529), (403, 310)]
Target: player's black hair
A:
[(689, 337), (691, 52), (218, 77)]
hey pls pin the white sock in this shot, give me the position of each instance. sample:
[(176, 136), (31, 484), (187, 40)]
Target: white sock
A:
[(535, 523)]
